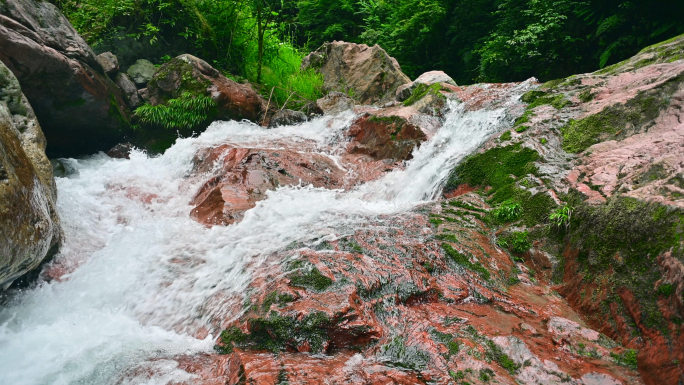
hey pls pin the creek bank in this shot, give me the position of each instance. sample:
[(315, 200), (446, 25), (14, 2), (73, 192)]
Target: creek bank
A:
[(590, 196)]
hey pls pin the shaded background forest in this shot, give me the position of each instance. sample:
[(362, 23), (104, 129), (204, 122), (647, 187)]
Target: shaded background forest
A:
[(471, 40)]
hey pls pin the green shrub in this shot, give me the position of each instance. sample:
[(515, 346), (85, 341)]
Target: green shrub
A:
[(186, 112)]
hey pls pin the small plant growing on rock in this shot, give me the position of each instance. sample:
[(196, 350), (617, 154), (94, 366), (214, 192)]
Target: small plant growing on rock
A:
[(560, 218), (508, 211)]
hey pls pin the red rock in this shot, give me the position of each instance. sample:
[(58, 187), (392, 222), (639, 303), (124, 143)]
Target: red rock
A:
[(384, 137)]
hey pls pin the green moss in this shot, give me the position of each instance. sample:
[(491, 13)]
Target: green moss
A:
[(505, 136), (627, 358), (620, 241), (516, 242), (447, 340), (619, 120), (464, 261), (552, 83), (524, 118), (463, 205), (387, 119), (312, 280), (494, 168), (521, 128), (558, 101), (275, 298), (397, 354), (423, 90), (586, 95), (276, 333), (665, 290)]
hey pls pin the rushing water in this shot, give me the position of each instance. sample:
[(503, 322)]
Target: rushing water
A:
[(146, 278)]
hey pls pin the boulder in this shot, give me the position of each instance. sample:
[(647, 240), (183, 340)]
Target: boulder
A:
[(29, 226), (108, 62), (121, 151), (368, 73), (384, 137), (130, 91), (187, 73), (141, 72), (80, 109), (286, 118), (334, 103), (429, 78)]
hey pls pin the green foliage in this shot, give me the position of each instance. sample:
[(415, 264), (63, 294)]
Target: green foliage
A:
[(185, 112), (465, 261), (508, 211), (561, 217), (516, 242), (627, 358), (505, 136)]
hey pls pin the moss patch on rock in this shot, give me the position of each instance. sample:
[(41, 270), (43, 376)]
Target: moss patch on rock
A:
[(276, 333), (619, 243), (617, 121), (423, 90)]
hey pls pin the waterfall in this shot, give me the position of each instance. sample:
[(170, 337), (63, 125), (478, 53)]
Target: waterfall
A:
[(145, 279)]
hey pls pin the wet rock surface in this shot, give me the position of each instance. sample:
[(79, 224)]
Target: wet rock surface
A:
[(30, 229), (424, 297), (605, 147), (80, 109)]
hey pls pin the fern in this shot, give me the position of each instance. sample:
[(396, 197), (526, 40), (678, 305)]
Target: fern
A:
[(185, 112)]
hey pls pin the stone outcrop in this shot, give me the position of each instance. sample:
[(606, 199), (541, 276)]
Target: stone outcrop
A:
[(287, 118), (606, 145), (80, 109), (130, 91), (29, 226), (109, 62), (427, 79), (334, 103), (141, 72), (187, 73), (392, 137), (369, 74)]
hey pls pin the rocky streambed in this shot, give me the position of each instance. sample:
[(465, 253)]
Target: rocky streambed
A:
[(408, 232)]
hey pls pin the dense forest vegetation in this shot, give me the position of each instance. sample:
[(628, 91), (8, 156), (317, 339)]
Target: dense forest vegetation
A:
[(263, 41)]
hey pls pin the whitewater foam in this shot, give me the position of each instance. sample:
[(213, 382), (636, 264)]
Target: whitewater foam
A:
[(146, 278)]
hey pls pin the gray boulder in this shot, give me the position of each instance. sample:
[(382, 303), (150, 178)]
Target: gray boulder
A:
[(368, 73), (130, 91), (334, 103), (109, 62), (141, 72), (30, 229), (286, 118), (429, 78), (79, 108)]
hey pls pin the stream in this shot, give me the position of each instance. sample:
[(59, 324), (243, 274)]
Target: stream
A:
[(141, 280)]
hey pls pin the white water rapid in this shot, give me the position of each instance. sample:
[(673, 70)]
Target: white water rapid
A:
[(146, 277)]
